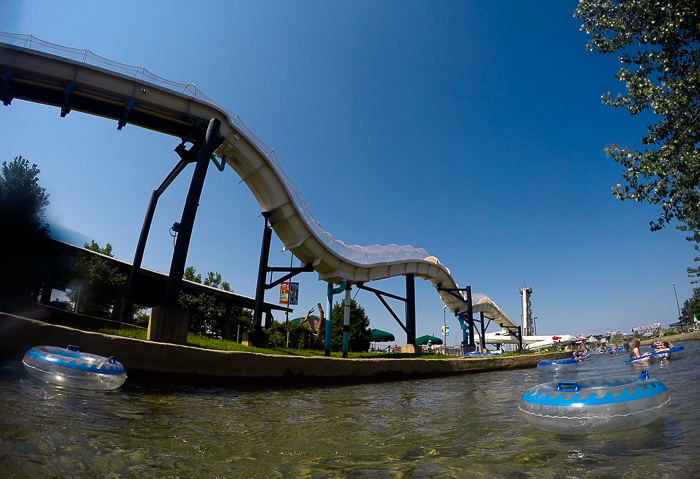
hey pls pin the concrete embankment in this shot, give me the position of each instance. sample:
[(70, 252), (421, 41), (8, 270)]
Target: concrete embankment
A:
[(139, 357), (689, 336)]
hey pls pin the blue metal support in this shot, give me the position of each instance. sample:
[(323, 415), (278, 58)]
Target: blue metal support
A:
[(346, 322), (65, 108), (329, 313), (127, 109), (219, 166)]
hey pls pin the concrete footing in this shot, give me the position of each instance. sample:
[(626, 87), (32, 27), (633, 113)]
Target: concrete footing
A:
[(168, 325)]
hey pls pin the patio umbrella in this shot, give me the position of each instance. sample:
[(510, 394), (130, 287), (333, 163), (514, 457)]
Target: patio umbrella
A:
[(380, 336), (424, 340)]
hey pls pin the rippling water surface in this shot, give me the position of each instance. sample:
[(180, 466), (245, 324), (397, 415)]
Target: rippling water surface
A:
[(459, 427)]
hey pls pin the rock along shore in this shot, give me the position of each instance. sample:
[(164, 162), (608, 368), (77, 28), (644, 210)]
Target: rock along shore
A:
[(141, 357)]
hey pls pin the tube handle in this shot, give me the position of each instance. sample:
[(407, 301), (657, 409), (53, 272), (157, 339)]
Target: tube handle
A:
[(567, 386)]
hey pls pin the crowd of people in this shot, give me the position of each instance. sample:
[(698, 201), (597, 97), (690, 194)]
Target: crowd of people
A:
[(657, 346)]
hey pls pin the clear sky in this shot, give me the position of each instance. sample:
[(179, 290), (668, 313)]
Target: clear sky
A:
[(474, 130)]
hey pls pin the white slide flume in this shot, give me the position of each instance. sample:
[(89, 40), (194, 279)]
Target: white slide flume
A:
[(33, 63)]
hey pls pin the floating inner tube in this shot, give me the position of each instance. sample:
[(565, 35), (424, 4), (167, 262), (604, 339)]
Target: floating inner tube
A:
[(656, 355), (477, 354), (667, 354), (70, 367), (594, 405), (556, 364)]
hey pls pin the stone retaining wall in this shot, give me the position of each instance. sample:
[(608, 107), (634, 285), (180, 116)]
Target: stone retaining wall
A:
[(19, 334)]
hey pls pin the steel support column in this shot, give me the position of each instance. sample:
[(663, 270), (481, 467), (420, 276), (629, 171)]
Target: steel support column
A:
[(177, 266), (346, 322), (470, 315), (141, 245), (482, 342), (256, 328), (410, 310)]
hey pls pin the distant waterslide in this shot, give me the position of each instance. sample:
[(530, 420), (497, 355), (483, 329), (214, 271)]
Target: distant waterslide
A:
[(528, 341), (27, 61)]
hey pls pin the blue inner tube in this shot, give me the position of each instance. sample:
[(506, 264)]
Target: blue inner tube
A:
[(594, 405), (72, 359), (557, 364), (655, 354), (550, 362), (71, 367)]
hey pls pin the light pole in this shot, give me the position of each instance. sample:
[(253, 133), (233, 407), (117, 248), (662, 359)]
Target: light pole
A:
[(677, 305), (444, 331)]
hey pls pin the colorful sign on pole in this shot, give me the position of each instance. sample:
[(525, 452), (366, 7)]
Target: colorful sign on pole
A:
[(289, 293), (293, 293), (284, 292)]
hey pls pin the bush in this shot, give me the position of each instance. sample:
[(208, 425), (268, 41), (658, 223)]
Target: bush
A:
[(299, 335)]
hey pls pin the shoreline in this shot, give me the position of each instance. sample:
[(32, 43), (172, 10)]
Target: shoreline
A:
[(155, 361), (143, 358)]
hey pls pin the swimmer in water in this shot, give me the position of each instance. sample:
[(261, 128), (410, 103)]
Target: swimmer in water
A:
[(634, 350)]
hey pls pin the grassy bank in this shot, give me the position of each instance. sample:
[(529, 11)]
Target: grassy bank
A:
[(205, 342)]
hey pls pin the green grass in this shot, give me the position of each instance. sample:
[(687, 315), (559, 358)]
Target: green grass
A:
[(205, 342)]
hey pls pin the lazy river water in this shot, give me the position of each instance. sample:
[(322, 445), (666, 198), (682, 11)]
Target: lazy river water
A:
[(458, 427)]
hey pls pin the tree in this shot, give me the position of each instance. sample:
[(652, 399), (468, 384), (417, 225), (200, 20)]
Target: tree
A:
[(214, 280), (691, 307), (95, 286), (658, 43), (300, 336), (25, 256), (207, 316), (360, 336)]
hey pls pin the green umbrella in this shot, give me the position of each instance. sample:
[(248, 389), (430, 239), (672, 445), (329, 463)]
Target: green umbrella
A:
[(424, 340), (381, 336)]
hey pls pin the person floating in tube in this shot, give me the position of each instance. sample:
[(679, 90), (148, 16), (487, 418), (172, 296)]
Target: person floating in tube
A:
[(634, 350)]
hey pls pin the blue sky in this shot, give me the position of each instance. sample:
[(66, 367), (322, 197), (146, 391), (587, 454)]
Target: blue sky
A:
[(471, 129)]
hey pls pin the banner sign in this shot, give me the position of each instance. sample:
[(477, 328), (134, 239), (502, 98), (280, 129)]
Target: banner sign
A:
[(293, 293), (289, 293), (651, 327), (284, 292)]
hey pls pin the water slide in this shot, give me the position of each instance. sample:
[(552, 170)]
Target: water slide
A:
[(532, 342), (38, 71)]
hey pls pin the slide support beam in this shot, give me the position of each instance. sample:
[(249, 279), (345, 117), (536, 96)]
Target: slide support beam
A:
[(329, 313), (177, 266), (346, 322), (410, 309), (256, 328)]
